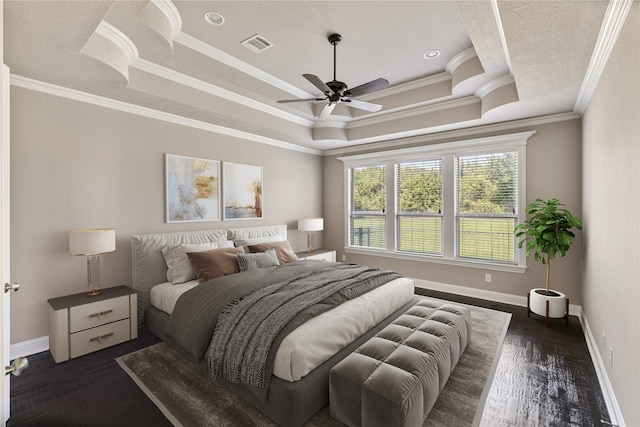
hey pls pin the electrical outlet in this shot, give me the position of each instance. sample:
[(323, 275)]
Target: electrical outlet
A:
[(487, 277), (344, 258), (611, 357)]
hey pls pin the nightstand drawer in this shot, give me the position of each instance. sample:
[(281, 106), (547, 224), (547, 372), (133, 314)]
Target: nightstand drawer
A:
[(98, 313), (94, 339)]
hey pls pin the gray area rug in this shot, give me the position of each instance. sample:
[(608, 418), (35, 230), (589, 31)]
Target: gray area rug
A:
[(189, 398)]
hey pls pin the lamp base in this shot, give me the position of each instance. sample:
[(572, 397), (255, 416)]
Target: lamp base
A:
[(310, 242), (93, 275)]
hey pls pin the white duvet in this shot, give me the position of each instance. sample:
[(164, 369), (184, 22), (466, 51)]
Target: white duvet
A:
[(315, 341)]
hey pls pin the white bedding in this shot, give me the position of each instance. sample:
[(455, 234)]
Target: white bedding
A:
[(315, 341), (164, 296)]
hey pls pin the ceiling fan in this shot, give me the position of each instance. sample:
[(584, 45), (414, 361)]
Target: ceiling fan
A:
[(336, 91)]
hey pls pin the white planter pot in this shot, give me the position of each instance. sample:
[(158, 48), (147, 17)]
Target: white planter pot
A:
[(557, 303)]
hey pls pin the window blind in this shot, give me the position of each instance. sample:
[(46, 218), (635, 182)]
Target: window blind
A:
[(419, 206), (486, 206), (367, 217)]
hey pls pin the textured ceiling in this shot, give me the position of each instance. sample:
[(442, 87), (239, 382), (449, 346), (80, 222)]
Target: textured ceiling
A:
[(500, 61)]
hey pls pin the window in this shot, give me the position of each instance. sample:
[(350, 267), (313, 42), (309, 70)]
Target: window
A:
[(367, 218), (419, 207), (487, 206), (454, 203)]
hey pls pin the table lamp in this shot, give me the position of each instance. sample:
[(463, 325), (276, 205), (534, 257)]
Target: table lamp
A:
[(310, 225), (92, 242)]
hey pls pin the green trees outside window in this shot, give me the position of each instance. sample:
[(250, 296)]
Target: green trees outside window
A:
[(484, 199)]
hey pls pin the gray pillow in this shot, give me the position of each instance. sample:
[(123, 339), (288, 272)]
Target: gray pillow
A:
[(265, 259)]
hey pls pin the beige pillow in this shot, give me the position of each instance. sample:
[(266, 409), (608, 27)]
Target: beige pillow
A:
[(179, 268), (283, 250), (214, 263)]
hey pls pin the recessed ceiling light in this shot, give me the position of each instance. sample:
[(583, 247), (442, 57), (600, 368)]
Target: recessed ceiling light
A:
[(432, 54), (214, 18)]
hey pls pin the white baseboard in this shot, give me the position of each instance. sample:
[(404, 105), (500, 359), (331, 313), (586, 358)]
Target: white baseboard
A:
[(615, 414), (27, 348), (575, 310), (521, 301)]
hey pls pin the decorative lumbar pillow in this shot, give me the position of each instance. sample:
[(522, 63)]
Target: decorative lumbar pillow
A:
[(214, 263), (283, 250), (179, 267), (266, 259)]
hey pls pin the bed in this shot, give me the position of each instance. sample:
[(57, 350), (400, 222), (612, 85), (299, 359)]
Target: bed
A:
[(297, 382)]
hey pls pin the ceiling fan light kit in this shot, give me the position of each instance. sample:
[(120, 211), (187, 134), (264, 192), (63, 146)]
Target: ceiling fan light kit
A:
[(336, 91)]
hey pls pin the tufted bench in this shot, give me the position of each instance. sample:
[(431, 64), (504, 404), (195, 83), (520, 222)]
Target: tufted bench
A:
[(394, 379)]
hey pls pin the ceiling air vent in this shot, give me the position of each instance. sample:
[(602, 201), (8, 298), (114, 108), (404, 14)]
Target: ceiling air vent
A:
[(257, 43)]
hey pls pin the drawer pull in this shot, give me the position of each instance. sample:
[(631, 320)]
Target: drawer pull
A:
[(101, 338), (101, 315)]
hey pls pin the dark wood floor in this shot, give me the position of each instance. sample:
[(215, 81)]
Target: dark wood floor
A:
[(545, 377)]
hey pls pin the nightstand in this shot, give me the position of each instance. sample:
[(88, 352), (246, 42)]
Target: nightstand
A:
[(322, 254), (79, 324)]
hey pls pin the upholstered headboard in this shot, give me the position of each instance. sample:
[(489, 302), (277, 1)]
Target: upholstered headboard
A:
[(150, 269)]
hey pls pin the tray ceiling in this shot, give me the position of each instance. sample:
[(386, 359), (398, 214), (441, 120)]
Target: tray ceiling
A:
[(499, 61)]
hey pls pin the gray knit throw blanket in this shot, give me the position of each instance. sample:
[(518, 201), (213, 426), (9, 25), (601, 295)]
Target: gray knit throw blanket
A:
[(247, 327)]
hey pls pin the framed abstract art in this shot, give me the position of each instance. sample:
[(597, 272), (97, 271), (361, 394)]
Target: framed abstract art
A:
[(242, 191), (193, 189)]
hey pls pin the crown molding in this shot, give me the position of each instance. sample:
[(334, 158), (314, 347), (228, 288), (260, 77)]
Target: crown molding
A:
[(457, 133), (171, 12), (485, 143), (214, 90), (494, 84), (425, 109), (119, 39), (503, 38), (460, 59), (612, 23), (76, 95), (408, 86)]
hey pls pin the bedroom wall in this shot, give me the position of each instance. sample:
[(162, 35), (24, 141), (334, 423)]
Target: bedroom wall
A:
[(611, 291), (76, 165), (553, 170)]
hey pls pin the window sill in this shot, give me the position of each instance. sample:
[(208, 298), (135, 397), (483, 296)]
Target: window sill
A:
[(438, 260)]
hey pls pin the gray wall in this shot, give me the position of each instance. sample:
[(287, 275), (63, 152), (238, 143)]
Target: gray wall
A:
[(77, 165), (553, 170), (611, 290)]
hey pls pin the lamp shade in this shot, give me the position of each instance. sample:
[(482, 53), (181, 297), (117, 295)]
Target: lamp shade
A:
[(310, 224), (91, 241)]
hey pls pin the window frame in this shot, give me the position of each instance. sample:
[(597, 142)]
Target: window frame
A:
[(448, 152)]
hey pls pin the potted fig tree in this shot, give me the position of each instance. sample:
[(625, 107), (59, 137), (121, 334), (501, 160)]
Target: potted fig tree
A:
[(548, 234)]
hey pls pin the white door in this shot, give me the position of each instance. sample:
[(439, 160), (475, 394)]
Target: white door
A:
[(4, 237), (5, 273)]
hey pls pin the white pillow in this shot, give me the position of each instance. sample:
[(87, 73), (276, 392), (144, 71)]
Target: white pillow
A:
[(258, 240), (180, 270)]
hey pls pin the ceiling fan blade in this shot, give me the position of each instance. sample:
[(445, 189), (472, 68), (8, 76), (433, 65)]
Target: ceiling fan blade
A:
[(326, 111), (363, 105), (286, 101), (372, 86), (315, 80)]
